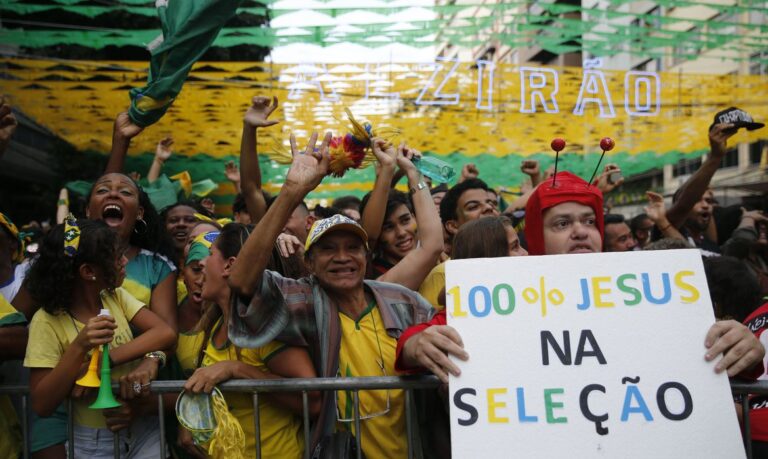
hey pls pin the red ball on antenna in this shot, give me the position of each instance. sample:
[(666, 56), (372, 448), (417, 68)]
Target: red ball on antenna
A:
[(557, 144), (607, 143)]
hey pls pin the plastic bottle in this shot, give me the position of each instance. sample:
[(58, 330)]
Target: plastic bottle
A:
[(436, 169)]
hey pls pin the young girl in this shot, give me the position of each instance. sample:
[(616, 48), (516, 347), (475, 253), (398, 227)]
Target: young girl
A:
[(208, 353), (78, 273)]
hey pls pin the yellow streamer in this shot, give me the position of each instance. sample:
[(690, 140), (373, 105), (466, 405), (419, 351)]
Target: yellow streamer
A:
[(228, 440)]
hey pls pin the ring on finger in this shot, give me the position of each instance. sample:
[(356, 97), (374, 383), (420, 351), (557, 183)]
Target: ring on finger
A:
[(137, 388)]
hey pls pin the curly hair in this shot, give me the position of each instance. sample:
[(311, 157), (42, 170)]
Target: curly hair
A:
[(53, 275)]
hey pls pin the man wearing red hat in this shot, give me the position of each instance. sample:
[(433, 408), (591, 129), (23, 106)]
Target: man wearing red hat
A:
[(565, 215)]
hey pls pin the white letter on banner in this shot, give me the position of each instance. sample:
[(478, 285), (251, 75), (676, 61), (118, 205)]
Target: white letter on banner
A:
[(536, 79), (647, 92), (373, 90), (593, 82), (308, 77), (440, 99), (484, 67)]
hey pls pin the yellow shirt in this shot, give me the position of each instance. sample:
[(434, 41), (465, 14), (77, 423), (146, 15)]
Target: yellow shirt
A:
[(51, 334), (364, 344), (433, 284), (10, 430), (281, 431), (181, 290)]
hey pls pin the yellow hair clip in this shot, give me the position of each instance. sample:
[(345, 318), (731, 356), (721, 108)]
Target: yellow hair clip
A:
[(71, 236)]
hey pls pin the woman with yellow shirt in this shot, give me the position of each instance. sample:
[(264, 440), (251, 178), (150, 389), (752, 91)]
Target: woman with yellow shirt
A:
[(75, 277), (207, 351)]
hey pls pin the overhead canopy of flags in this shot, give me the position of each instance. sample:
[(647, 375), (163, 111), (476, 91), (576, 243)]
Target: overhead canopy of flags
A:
[(738, 31)]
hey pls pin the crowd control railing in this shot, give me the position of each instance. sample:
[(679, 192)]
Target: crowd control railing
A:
[(305, 385)]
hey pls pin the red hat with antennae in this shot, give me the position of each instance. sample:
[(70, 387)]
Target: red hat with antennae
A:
[(570, 188)]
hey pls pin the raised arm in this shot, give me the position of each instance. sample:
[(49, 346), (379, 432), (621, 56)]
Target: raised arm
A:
[(250, 173), (469, 171), (232, 173), (124, 130), (529, 167), (411, 270), (163, 152), (693, 188), (656, 212), (306, 172), (375, 208), (8, 125), (62, 206)]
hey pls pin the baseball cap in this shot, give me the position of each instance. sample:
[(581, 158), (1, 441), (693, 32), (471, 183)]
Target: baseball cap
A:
[(738, 117), (337, 222)]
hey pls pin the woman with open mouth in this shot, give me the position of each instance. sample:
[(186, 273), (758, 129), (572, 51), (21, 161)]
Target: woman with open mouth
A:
[(150, 276)]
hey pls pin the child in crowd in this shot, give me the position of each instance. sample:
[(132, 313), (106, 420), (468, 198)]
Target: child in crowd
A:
[(79, 272)]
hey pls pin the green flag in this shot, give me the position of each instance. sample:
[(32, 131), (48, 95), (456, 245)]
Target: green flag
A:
[(189, 28)]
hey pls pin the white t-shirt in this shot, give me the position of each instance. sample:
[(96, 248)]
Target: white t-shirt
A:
[(12, 286)]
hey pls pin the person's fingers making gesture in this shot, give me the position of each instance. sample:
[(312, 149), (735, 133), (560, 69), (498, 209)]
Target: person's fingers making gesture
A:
[(258, 113)]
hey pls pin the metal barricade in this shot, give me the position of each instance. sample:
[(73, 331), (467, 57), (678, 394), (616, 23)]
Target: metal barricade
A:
[(258, 387)]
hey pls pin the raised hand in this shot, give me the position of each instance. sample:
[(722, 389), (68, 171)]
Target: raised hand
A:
[(8, 123), (232, 172), (405, 157), (125, 128), (164, 149), (385, 152), (469, 171), (530, 167), (718, 138), (604, 183), (310, 166), (258, 113), (655, 209)]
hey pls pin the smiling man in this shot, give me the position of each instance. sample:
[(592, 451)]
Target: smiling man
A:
[(349, 325)]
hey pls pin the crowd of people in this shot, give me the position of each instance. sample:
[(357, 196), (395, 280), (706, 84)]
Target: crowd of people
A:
[(281, 290)]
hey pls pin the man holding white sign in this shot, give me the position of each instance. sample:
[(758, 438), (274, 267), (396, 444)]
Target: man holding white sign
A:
[(582, 365)]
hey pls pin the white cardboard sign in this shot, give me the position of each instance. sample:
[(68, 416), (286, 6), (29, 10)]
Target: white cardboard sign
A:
[(582, 356)]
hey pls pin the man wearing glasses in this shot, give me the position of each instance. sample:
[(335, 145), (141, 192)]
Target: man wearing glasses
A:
[(350, 326)]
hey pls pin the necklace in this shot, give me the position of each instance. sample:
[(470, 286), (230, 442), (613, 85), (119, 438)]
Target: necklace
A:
[(74, 324)]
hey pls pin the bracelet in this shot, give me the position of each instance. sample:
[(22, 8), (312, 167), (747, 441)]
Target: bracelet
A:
[(665, 228), (156, 355), (419, 186), (62, 202)]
